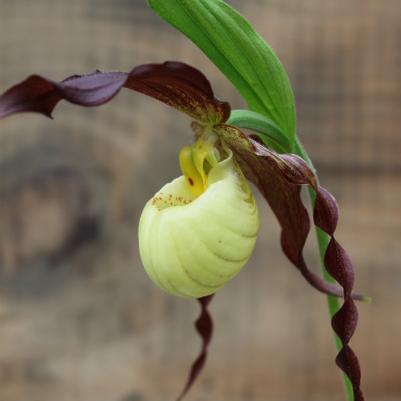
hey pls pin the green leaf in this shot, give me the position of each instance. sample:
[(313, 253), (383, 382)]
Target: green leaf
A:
[(271, 135), (239, 52)]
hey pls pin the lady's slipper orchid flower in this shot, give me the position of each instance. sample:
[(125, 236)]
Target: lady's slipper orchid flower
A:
[(199, 230)]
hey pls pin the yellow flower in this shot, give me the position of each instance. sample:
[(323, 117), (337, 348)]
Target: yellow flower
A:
[(199, 230)]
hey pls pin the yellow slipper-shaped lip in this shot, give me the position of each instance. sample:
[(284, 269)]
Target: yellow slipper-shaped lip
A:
[(191, 244)]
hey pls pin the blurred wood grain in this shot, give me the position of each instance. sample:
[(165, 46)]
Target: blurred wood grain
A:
[(80, 321)]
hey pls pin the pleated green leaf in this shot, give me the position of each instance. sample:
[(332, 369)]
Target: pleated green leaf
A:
[(239, 52)]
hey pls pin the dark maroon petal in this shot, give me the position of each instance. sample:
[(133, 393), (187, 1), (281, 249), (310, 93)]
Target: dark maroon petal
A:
[(345, 322), (175, 84), (279, 179), (204, 326), (339, 265), (326, 216), (348, 362), (337, 256)]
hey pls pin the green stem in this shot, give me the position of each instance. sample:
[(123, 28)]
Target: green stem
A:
[(333, 303)]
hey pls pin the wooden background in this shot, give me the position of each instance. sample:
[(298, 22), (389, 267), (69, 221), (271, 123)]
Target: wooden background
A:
[(80, 321)]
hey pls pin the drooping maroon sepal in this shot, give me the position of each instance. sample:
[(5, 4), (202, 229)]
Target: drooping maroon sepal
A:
[(279, 178), (173, 83)]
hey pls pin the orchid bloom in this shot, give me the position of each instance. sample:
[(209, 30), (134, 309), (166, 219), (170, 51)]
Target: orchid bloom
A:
[(199, 230)]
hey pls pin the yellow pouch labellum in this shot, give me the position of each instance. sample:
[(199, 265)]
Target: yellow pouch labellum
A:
[(193, 241)]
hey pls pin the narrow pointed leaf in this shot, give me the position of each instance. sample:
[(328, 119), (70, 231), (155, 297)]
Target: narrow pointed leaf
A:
[(239, 52), (173, 83), (279, 178)]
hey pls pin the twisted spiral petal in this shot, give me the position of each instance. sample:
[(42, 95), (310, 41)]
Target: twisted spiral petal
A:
[(192, 245)]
